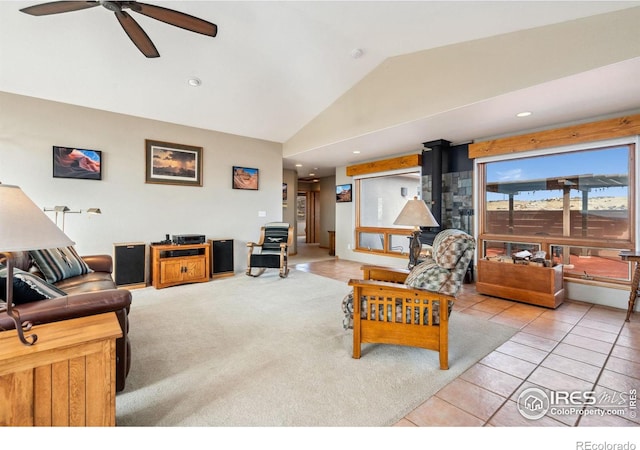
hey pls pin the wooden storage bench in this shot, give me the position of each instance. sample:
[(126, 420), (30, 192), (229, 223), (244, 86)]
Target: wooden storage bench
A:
[(542, 286)]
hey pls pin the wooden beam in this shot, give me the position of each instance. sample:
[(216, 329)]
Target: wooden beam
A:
[(383, 165), (574, 134)]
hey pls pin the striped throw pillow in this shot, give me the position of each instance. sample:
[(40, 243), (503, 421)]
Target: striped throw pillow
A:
[(59, 263)]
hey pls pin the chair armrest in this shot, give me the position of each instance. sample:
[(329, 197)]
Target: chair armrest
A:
[(386, 286), (99, 263), (381, 285), (71, 307), (253, 244), (392, 274)]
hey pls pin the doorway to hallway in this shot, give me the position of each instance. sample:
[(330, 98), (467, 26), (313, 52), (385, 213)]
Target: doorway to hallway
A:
[(308, 217)]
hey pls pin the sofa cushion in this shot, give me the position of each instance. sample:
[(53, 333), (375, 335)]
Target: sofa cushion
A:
[(430, 277), (91, 282), (27, 287), (59, 263)]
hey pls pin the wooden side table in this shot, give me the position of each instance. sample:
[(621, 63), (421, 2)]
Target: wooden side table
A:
[(68, 378), (332, 243), (635, 281)]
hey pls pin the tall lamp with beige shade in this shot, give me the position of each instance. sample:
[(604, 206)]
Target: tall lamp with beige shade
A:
[(416, 214), (24, 226)]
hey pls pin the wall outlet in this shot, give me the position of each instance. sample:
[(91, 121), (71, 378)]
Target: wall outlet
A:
[(348, 246), (262, 214)]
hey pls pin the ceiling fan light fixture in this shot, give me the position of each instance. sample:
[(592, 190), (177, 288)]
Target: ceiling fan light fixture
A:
[(194, 82), (111, 6)]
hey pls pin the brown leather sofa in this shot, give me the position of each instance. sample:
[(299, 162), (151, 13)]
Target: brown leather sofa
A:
[(89, 294)]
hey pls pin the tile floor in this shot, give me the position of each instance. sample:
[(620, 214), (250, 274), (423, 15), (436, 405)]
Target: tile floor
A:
[(577, 347)]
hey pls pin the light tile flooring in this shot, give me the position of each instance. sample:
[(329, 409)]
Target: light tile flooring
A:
[(577, 347)]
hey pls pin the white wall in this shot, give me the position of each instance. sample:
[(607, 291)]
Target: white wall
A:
[(133, 211), (327, 209)]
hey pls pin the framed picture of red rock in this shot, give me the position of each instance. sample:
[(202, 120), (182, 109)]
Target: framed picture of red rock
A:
[(343, 193), (168, 163), (78, 163), (245, 178)]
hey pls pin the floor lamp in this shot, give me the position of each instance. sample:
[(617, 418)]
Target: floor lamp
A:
[(23, 226), (61, 210), (416, 214)]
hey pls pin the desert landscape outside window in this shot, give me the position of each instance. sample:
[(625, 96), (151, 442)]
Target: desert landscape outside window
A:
[(576, 205)]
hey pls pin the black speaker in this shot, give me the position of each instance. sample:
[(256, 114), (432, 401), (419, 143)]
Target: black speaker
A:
[(221, 257), (130, 264)]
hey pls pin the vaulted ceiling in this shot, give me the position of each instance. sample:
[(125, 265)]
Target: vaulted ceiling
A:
[(291, 71)]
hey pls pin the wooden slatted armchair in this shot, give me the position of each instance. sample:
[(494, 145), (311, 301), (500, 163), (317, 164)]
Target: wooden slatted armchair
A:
[(402, 307), (272, 250)]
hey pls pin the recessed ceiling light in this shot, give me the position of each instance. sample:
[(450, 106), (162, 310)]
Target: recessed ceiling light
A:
[(357, 53), (298, 165), (356, 152), (312, 174), (524, 114), (194, 82)]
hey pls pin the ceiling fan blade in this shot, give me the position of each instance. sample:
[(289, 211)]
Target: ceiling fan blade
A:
[(175, 18), (137, 35), (57, 7)]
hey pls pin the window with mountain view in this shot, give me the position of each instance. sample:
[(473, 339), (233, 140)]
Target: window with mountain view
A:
[(576, 206)]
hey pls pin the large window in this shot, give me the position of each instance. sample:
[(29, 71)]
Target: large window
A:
[(577, 206), (380, 200)]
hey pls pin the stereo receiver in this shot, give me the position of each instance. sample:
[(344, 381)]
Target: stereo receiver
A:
[(185, 239)]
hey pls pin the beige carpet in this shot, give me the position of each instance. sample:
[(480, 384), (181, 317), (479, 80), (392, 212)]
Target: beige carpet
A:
[(268, 351)]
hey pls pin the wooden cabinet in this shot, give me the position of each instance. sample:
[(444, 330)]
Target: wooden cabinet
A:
[(67, 378), (172, 265), (542, 286)]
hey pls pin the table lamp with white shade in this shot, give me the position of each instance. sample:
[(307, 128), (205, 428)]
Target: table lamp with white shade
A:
[(415, 213), (24, 226)]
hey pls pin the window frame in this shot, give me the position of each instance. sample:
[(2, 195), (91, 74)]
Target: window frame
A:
[(388, 231)]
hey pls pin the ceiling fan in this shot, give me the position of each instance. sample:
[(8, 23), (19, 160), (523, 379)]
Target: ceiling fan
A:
[(130, 26)]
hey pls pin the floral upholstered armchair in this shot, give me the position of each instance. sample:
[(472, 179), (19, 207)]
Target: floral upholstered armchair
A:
[(402, 307), (444, 270)]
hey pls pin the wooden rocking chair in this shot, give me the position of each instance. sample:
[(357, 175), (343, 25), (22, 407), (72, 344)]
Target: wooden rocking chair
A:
[(272, 250)]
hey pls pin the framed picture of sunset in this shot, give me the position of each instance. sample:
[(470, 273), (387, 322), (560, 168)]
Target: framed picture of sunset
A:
[(168, 163)]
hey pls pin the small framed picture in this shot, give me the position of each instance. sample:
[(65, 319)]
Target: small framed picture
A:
[(78, 163), (245, 178), (343, 193), (284, 192), (168, 163)]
